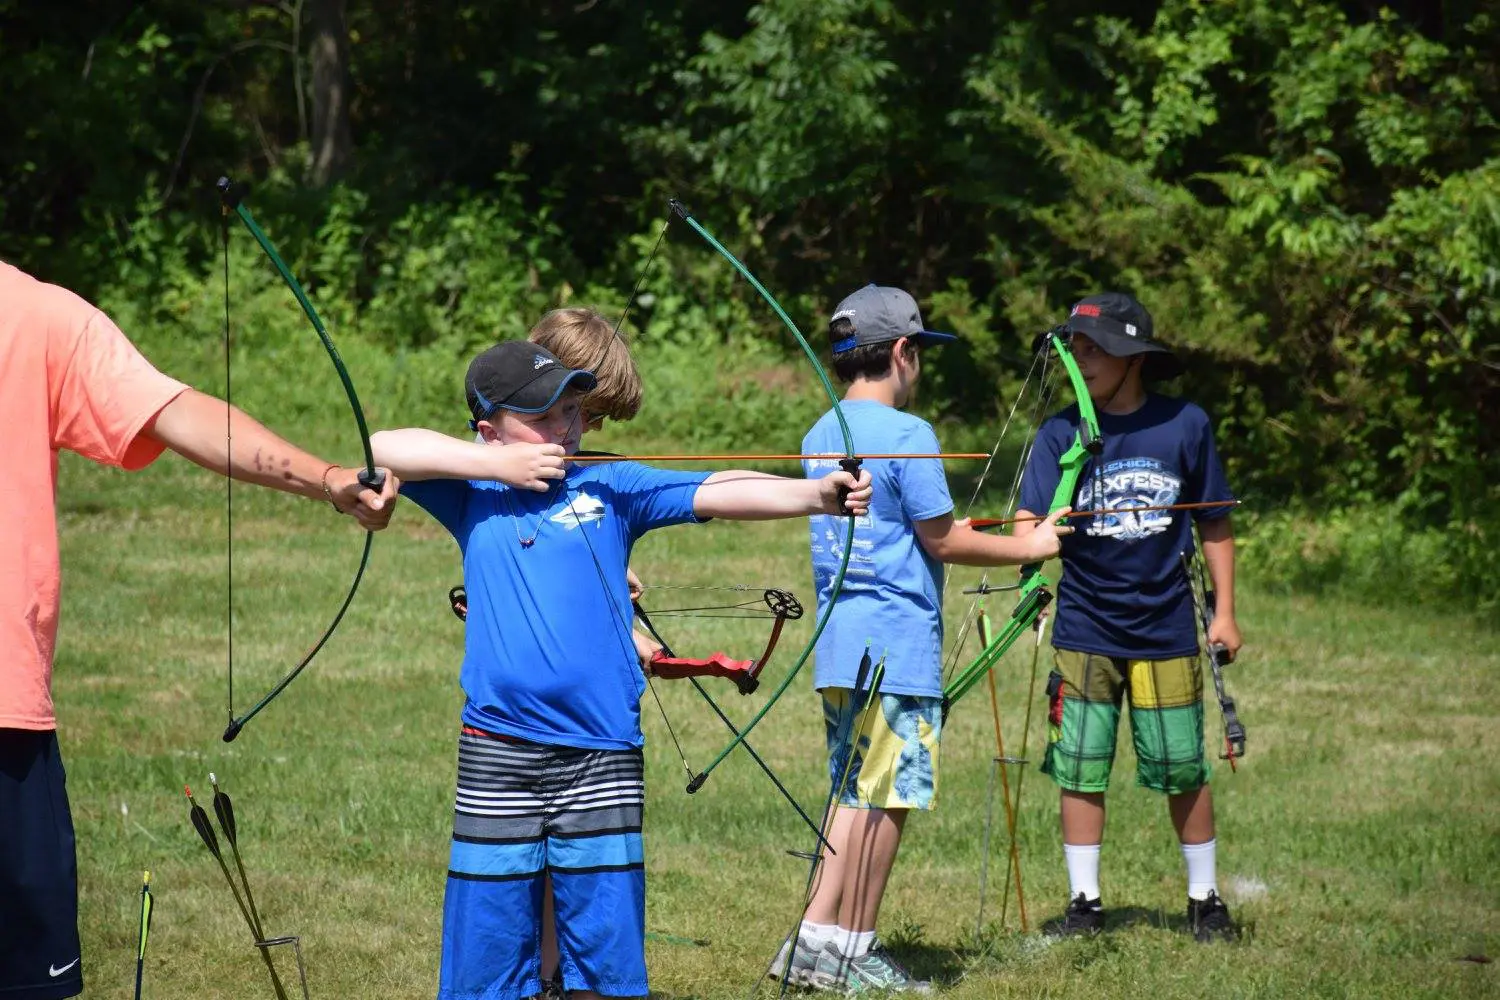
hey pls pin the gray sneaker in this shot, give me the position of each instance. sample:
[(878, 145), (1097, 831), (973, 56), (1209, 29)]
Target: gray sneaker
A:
[(804, 958), (873, 971)]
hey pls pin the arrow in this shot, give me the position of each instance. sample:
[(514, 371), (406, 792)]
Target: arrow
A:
[(211, 841), (224, 809), (140, 951), (981, 523), (589, 459)]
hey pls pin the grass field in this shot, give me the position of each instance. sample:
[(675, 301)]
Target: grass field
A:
[(1359, 840)]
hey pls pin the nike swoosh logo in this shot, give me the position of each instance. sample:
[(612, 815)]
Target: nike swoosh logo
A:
[(54, 971)]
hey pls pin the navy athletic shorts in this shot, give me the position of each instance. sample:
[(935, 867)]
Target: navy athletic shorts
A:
[(40, 957)]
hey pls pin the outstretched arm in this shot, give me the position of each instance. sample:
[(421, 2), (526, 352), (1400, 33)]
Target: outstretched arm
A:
[(417, 454), (755, 496), (954, 542), (193, 423)]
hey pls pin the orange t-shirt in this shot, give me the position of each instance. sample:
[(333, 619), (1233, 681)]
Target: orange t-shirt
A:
[(68, 379)]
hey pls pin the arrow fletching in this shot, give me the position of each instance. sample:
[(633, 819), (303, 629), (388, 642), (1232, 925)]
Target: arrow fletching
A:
[(202, 825), (224, 809)]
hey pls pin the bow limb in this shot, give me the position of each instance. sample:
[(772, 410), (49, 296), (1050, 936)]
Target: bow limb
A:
[(232, 196), (673, 668), (786, 608), (850, 464)]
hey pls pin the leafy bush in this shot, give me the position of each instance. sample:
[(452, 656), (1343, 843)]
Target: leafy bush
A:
[(1373, 553)]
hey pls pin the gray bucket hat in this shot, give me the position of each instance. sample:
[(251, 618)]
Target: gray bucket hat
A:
[(1122, 328)]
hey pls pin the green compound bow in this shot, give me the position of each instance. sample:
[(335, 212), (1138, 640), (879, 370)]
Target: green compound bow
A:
[(1034, 595), (1034, 598)]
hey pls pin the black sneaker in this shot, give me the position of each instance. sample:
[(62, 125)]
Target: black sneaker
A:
[(1083, 916), (1209, 920)]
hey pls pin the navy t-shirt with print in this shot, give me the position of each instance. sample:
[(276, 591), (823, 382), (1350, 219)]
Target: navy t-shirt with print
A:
[(1123, 591), (547, 649)]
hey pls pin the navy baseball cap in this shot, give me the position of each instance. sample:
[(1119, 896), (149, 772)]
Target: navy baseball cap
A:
[(880, 315), (518, 375)]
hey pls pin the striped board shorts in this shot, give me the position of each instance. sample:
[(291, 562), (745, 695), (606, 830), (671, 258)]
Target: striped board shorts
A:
[(528, 810)]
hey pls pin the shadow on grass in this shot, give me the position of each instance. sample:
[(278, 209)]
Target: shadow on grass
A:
[(1177, 923), (942, 966)]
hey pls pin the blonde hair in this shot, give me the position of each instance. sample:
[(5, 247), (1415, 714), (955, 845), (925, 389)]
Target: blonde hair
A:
[(583, 339)]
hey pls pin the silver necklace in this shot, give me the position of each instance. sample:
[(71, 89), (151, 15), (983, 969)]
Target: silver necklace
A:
[(516, 518)]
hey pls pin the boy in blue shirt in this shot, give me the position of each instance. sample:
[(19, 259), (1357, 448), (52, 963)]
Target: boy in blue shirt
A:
[(1124, 619), (549, 767), (890, 608)]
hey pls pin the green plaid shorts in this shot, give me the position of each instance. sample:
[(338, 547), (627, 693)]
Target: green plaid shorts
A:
[(1084, 696)]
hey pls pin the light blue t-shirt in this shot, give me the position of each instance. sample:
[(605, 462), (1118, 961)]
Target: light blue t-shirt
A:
[(547, 649), (891, 603)]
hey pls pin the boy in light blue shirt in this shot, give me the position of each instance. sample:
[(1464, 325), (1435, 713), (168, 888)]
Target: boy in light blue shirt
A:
[(890, 607)]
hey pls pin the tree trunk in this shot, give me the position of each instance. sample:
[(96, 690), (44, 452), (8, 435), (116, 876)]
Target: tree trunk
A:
[(328, 46)]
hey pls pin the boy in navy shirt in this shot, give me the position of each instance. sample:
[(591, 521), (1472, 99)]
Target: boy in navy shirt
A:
[(1124, 616), (549, 766), (889, 608)]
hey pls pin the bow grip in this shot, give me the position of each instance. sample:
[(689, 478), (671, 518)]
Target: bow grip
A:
[(373, 478), (851, 466)]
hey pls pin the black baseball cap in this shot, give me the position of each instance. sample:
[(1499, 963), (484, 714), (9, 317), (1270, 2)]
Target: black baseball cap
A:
[(880, 315), (518, 375), (1122, 328)]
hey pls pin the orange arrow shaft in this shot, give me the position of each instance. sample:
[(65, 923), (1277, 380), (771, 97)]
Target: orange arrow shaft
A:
[(755, 458), (995, 522)]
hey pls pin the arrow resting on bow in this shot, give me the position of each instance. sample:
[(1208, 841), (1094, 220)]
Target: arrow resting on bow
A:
[(1034, 594), (597, 458), (984, 523)]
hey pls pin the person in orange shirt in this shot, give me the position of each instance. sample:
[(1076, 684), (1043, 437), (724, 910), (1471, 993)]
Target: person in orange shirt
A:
[(69, 379)]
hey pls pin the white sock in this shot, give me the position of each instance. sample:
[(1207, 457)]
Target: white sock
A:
[(855, 943), (817, 935), (1201, 864), (1083, 870)]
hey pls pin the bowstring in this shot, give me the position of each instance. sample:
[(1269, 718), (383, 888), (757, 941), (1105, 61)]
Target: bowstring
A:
[(622, 630), (641, 277), (228, 484), (746, 611)]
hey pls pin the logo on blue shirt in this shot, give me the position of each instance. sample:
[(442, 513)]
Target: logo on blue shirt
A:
[(580, 510)]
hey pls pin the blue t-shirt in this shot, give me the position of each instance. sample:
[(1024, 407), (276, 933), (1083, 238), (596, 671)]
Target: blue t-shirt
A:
[(1123, 591), (547, 649), (892, 599)]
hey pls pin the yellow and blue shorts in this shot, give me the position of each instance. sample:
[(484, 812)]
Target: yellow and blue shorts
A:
[(1084, 696), (895, 763)]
